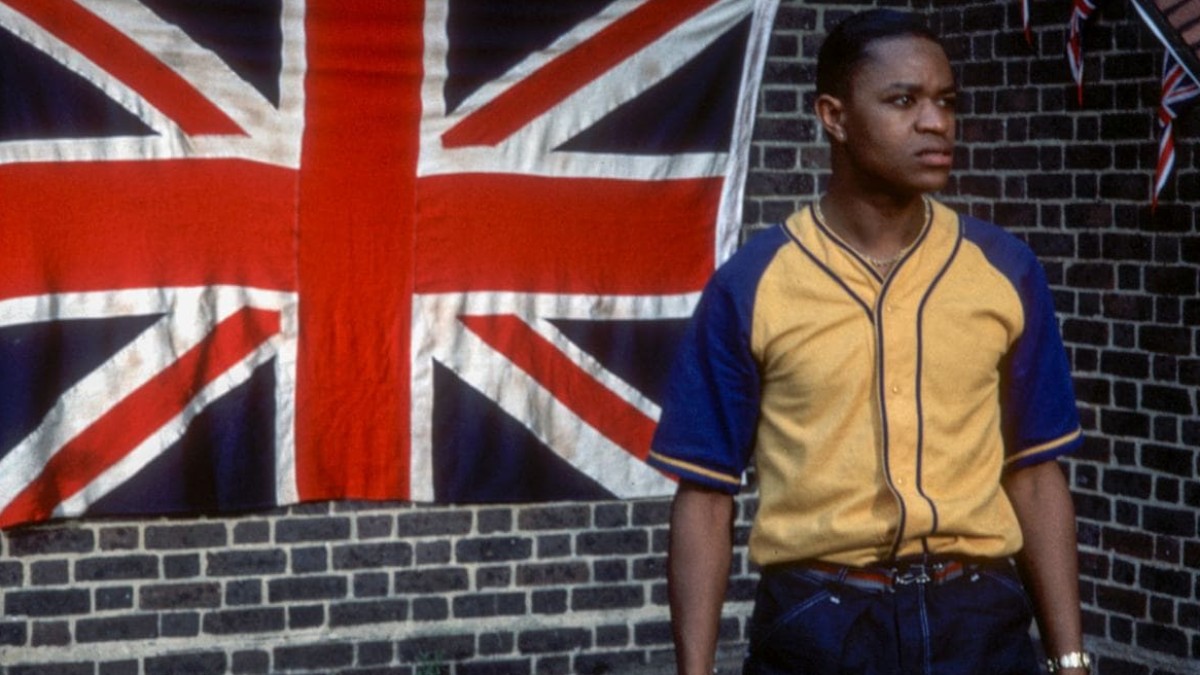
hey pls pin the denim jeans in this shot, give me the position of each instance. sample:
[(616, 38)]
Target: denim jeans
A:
[(809, 622)]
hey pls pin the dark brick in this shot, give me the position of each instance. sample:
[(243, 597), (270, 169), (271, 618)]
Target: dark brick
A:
[(123, 567), (116, 629), (313, 657), (305, 616), (607, 597), (375, 653), (1164, 639), (1128, 543), (1122, 423), (208, 663), (489, 604), (496, 643), (1129, 602), (119, 597), (181, 566), (374, 527), (180, 596), (1077, 331), (200, 535), (493, 549), (1174, 522), (1176, 400), (258, 620), (1171, 280), (609, 664), (312, 529), (554, 546), (433, 523), (121, 538), (244, 592), (438, 580), (1127, 483), (543, 574), (48, 572), (309, 560), (490, 521), (504, 667), (433, 552), (180, 624), (1169, 581), (552, 601), (1165, 340), (610, 571), (620, 542), (252, 532), (570, 517), (430, 609), (246, 563), (439, 648), (374, 611), (47, 602), (11, 573), (14, 633), (50, 541), (124, 667), (306, 588), (493, 577), (553, 640), (359, 556), (1168, 459), (370, 585), (54, 669), (1090, 275)]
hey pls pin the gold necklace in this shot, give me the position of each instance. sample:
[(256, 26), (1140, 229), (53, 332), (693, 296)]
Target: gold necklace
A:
[(883, 264)]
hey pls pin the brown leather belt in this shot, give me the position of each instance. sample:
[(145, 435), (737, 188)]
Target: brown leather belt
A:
[(886, 577)]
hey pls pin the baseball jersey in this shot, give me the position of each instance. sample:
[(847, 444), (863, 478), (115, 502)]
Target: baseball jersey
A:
[(880, 412)]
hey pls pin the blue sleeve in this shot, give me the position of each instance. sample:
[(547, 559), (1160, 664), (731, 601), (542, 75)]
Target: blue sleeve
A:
[(1038, 410), (711, 405)]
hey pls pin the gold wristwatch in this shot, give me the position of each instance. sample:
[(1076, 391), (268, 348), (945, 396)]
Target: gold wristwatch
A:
[(1070, 660)]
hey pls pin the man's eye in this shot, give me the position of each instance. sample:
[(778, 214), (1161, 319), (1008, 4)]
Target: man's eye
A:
[(949, 102), (903, 100)]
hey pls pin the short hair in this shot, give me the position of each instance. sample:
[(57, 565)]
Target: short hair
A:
[(846, 46)]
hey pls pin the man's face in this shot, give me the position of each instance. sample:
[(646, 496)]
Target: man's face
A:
[(899, 117)]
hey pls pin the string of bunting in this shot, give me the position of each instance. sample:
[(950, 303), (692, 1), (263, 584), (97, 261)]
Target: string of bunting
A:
[(1176, 23)]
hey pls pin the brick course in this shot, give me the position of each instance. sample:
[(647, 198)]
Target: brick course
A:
[(580, 588)]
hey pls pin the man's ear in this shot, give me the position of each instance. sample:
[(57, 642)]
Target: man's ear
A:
[(829, 109)]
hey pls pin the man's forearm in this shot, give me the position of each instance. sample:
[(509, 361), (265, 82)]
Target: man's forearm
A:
[(1049, 560), (698, 573)]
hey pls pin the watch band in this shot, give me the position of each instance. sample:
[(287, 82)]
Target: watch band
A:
[(1070, 660)]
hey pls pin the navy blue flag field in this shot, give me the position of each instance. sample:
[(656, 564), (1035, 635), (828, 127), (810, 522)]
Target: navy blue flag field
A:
[(259, 252)]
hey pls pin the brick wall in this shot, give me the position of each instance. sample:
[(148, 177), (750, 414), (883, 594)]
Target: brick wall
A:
[(579, 588), (348, 588)]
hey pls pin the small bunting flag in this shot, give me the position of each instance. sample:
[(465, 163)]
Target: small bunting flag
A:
[(1080, 11), (1178, 90)]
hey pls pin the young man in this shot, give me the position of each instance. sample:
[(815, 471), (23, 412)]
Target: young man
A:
[(894, 371)]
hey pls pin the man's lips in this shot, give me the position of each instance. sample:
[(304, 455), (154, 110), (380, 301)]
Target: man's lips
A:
[(936, 157)]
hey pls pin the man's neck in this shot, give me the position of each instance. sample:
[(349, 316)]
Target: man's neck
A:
[(877, 225)]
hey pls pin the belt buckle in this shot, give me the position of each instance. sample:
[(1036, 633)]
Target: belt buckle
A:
[(916, 574), (910, 577)]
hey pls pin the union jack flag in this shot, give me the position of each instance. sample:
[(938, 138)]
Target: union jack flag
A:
[(1080, 11), (1178, 91), (259, 252)]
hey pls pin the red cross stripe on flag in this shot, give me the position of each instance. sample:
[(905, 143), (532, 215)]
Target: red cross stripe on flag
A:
[(260, 252)]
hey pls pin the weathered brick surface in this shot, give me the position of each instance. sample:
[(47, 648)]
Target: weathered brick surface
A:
[(580, 588)]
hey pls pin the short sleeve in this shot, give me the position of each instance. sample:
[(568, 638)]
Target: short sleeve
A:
[(711, 405), (1039, 413)]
